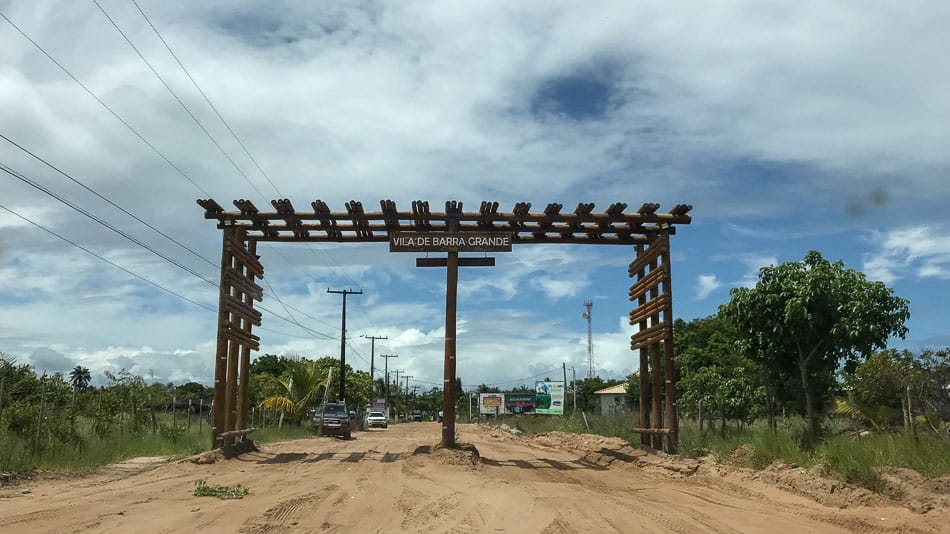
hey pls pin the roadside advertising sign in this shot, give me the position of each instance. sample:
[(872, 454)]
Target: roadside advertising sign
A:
[(550, 398)]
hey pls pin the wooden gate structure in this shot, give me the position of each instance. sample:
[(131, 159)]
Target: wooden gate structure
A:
[(647, 230)]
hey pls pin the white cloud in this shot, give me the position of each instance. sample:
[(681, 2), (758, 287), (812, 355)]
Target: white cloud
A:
[(410, 101), (753, 264), (706, 284), (923, 250)]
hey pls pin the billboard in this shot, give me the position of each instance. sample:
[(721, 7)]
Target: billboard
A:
[(491, 403), (550, 398), (378, 405)]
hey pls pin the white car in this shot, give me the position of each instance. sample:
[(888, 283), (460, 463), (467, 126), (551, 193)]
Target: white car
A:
[(376, 419)]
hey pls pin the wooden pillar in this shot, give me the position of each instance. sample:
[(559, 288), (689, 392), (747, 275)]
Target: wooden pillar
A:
[(656, 440), (231, 390), (672, 420), (221, 352), (644, 369), (451, 293), (245, 364)]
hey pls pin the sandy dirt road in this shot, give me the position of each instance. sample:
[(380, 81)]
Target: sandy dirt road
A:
[(393, 481)]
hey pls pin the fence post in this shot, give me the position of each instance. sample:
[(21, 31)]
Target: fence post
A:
[(39, 416), (189, 413), (201, 415)]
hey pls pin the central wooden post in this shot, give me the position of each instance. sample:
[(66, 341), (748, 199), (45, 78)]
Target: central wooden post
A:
[(453, 211)]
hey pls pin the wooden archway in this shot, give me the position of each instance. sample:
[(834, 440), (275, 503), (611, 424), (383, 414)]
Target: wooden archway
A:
[(645, 229)]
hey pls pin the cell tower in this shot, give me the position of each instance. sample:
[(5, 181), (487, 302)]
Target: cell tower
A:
[(590, 340)]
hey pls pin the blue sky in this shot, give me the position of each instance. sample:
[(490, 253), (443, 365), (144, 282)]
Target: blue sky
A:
[(787, 127)]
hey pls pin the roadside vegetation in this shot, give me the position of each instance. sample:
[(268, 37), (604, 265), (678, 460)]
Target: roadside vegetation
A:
[(63, 423), (795, 369)]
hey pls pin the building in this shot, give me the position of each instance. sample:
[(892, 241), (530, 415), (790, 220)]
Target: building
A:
[(612, 399)]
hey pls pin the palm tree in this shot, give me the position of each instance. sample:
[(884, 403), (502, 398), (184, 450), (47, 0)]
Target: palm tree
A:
[(80, 378), (299, 391)]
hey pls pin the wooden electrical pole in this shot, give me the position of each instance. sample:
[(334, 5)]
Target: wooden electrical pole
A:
[(387, 357), (344, 292), (372, 366)]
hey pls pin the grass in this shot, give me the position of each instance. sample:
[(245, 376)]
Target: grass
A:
[(95, 451), (854, 460), (237, 491)]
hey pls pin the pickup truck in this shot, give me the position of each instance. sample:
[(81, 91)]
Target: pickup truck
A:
[(335, 419)]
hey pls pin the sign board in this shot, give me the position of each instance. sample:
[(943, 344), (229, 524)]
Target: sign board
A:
[(550, 398), (520, 402), (442, 242), (378, 405), (491, 403)]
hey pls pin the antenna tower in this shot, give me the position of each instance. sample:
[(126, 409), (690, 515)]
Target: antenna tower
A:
[(590, 340)]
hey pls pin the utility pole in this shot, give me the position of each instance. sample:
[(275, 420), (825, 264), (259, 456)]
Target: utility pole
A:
[(397, 387), (590, 339), (407, 377), (344, 292), (372, 350), (387, 356), (574, 384), (564, 370)]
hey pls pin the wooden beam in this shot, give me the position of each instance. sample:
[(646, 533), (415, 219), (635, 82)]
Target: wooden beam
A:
[(462, 262), (647, 283)]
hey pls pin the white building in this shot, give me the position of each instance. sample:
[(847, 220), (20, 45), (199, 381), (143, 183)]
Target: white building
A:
[(612, 399)]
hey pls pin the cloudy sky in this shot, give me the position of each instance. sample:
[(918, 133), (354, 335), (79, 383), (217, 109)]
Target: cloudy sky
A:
[(788, 127)]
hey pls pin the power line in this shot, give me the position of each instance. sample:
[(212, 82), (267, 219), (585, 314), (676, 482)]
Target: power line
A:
[(180, 102), (103, 198), (142, 138), (110, 262), (106, 106), (130, 272), (137, 242), (205, 96), (216, 112), (39, 187)]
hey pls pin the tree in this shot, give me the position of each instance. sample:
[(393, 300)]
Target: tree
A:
[(632, 397), (879, 384), (809, 317), (299, 390), (80, 378)]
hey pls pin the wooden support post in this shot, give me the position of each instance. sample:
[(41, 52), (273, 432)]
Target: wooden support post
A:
[(451, 292), (656, 388), (245, 353), (672, 421), (644, 366), (221, 353), (230, 392)]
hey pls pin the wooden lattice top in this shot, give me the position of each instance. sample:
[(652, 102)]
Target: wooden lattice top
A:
[(612, 227)]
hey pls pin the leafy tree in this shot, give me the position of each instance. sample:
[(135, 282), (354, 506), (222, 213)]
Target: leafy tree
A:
[(809, 317), (586, 399), (931, 382), (194, 390), (270, 364), (299, 390), (482, 388), (879, 384), (80, 378), (632, 397)]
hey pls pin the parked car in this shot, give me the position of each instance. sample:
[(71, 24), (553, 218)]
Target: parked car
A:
[(440, 416), (415, 416), (334, 419), (377, 419)]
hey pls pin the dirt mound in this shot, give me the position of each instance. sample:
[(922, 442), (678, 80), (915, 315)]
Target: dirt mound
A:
[(916, 491), (464, 454), (902, 486), (223, 453)]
